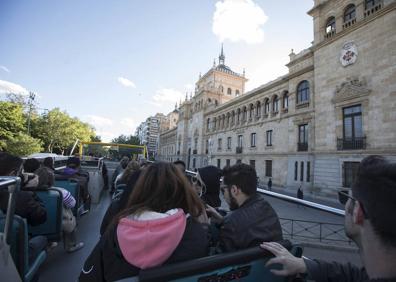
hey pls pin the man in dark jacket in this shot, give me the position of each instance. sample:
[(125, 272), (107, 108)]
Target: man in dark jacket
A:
[(369, 221), (27, 204), (252, 219)]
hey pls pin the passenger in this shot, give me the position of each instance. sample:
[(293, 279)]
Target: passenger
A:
[(27, 204), (46, 173), (181, 165), (124, 176), (207, 184), (120, 168), (158, 226), (73, 171), (69, 226), (119, 203), (252, 217), (369, 222)]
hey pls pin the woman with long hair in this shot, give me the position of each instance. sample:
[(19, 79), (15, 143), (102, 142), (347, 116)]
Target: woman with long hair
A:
[(158, 225)]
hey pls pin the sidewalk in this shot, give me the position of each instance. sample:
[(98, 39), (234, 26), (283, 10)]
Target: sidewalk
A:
[(331, 202)]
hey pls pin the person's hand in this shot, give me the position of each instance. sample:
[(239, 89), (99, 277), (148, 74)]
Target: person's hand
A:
[(214, 214), (291, 265), (203, 218)]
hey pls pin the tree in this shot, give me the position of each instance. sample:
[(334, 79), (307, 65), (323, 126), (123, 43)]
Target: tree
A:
[(23, 145), (124, 139), (11, 121)]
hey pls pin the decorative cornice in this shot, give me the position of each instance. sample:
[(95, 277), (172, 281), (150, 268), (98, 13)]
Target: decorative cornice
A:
[(350, 89)]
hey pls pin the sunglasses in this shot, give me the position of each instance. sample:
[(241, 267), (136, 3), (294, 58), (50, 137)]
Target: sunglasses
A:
[(343, 196)]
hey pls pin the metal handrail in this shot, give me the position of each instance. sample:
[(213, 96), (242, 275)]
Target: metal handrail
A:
[(294, 200)]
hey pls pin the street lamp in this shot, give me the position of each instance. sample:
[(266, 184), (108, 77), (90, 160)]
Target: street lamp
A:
[(31, 99)]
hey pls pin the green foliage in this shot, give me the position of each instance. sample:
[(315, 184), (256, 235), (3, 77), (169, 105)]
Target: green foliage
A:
[(59, 131), (23, 145), (11, 121), (96, 138), (123, 139)]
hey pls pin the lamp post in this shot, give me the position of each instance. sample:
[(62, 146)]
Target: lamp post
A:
[(31, 99)]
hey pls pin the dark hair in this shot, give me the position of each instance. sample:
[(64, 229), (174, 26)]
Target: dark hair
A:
[(161, 187), (9, 163), (243, 176), (375, 188), (31, 165), (73, 162), (49, 162), (180, 162), (129, 170)]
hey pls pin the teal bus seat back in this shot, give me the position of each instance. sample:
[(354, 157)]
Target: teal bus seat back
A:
[(244, 265), (52, 227), (73, 187), (19, 248)]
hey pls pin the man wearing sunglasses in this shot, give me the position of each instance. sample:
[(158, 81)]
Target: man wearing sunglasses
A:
[(370, 222), (252, 219)]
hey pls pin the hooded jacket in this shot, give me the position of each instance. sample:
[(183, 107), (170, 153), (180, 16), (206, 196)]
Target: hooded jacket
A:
[(144, 241)]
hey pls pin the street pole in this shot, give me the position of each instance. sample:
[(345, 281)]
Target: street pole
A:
[(31, 99)]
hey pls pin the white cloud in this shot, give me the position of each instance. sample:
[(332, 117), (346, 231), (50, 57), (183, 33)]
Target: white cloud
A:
[(98, 121), (7, 87), (167, 95), (4, 68), (126, 82), (239, 20), (189, 86)]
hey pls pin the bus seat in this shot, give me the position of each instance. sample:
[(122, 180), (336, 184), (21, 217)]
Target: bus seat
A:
[(52, 227), (73, 187), (19, 248), (244, 265), (95, 184)]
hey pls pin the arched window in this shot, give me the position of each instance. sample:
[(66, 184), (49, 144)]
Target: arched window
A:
[(208, 124), (244, 116), (229, 91), (222, 121), (285, 100), (221, 88), (216, 103), (218, 122), (214, 123), (275, 105), (350, 13), (251, 110), (371, 3), (228, 119), (303, 92), (330, 25), (233, 117), (295, 170), (236, 92), (239, 115), (266, 106), (258, 108)]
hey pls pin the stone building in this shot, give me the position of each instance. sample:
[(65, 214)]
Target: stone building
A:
[(312, 126), (148, 133)]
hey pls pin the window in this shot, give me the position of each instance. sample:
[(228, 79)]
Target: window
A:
[(207, 146), (275, 105), (308, 172), (350, 170), (371, 3), (251, 110), (219, 141), (253, 140), (208, 124), (228, 162), (285, 102), (229, 143), (239, 115), (352, 122), (331, 25), (240, 140), (237, 92), (302, 137), (195, 143), (268, 168), (295, 171), (266, 107), (301, 171), (239, 161), (229, 91), (303, 92), (350, 13), (269, 137), (253, 163), (244, 115), (258, 109), (193, 162), (218, 163)]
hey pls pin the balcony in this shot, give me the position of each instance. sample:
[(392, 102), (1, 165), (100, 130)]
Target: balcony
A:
[(330, 34), (302, 147), (349, 23), (373, 9), (194, 151), (357, 143), (239, 150)]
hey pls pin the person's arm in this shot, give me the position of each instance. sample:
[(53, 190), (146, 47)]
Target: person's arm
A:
[(227, 238), (30, 207), (315, 269), (214, 215), (68, 199)]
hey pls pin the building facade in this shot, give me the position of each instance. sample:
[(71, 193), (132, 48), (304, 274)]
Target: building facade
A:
[(312, 126), (148, 133)]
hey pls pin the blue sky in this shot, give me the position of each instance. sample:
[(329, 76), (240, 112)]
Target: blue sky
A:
[(114, 63)]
